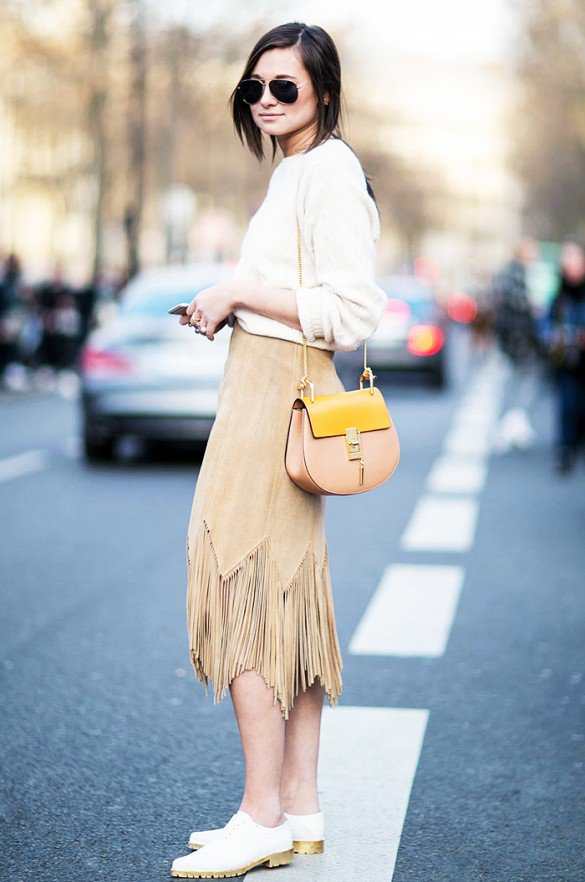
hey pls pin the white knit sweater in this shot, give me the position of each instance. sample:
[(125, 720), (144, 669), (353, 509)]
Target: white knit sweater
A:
[(339, 303)]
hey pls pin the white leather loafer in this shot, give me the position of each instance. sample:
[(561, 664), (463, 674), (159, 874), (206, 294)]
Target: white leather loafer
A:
[(238, 847), (307, 831)]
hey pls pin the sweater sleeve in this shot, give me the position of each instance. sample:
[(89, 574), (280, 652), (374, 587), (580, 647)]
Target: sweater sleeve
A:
[(340, 227)]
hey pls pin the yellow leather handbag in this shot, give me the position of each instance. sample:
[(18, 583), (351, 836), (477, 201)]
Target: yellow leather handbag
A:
[(342, 443)]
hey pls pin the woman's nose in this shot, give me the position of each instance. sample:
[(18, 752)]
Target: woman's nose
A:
[(267, 98)]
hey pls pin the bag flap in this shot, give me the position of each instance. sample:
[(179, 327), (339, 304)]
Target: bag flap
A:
[(333, 414)]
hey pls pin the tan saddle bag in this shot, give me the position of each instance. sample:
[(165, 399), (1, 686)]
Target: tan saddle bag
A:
[(342, 443)]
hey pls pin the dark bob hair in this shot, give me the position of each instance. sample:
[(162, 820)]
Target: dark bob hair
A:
[(321, 60)]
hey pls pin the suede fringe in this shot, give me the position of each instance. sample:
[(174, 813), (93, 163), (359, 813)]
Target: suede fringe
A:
[(246, 619)]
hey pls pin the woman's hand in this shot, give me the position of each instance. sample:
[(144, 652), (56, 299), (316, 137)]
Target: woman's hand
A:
[(212, 307)]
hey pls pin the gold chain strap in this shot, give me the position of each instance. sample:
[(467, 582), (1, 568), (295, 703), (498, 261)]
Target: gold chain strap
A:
[(304, 381)]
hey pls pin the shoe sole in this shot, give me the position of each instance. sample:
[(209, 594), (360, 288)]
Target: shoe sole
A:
[(279, 859), (311, 846)]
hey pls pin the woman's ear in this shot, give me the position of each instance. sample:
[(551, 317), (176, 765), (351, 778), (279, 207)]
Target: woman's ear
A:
[(326, 98)]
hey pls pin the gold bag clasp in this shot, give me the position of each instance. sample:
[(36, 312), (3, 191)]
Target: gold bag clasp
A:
[(353, 443)]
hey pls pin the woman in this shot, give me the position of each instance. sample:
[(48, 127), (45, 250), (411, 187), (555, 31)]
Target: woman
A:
[(567, 320), (259, 605)]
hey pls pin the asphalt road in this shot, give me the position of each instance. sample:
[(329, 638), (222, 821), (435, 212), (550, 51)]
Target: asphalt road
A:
[(111, 753)]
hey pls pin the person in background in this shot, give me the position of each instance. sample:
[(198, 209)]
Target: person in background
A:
[(60, 322), (567, 354), (10, 315), (66, 329), (517, 337), (86, 301), (482, 326)]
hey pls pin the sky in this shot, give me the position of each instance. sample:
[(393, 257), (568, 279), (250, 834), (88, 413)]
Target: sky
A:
[(439, 29), (468, 30)]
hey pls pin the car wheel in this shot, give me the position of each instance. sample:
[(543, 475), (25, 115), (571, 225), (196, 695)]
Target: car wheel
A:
[(98, 451)]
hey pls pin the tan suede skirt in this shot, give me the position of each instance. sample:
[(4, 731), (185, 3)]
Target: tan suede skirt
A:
[(259, 589)]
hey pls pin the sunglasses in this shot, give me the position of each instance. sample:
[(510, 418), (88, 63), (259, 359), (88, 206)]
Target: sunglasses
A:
[(285, 91)]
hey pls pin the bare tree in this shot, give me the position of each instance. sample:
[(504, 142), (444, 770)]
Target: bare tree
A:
[(132, 104), (549, 151), (136, 134), (100, 12)]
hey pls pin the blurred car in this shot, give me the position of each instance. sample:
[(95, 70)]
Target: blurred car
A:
[(144, 374), (411, 335)]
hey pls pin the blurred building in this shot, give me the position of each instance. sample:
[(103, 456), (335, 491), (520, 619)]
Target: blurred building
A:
[(45, 192), (448, 117), (453, 121)]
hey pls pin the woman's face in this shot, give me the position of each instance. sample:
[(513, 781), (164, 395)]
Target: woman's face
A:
[(284, 120)]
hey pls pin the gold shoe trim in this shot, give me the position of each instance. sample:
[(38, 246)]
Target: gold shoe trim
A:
[(300, 846), (278, 859), (310, 846)]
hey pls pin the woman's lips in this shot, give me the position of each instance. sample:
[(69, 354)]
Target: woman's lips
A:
[(271, 115)]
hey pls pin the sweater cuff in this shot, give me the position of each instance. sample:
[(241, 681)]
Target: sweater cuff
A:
[(309, 313)]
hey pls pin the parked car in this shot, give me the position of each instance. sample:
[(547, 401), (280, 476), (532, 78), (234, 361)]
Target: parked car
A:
[(411, 335), (144, 374)]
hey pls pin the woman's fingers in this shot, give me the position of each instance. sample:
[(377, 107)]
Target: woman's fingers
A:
[(207, 328), (204, 326), (191, 308), (214, 327), (197, 317)]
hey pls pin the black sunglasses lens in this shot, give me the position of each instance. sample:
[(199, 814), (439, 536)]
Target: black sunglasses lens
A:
[(251, 91), (284, 91)]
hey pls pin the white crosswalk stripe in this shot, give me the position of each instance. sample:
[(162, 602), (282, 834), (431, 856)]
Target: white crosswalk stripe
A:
[(441, 524), (465, 438), (457, 474), (411, 613), (368, 759)]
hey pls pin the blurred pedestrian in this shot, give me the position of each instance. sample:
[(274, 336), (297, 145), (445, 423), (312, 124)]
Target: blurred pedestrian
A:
[(86, 302), (11, 317), (567, 354), (259, 601), (10, 282), (517, 337), (482, 325), (62, 323)]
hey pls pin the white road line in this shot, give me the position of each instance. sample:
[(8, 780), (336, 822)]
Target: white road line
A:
[(481, 422), (441, 524), (411, 612), (457, 474), (22, 464), (367, 763), (483, 414), (466, 438)]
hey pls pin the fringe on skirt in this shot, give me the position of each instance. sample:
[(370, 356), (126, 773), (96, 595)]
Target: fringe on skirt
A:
[(259, 590), (246, 619)]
